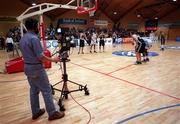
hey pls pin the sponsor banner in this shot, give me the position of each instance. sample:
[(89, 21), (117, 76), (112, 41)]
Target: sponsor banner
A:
[(73, 21), (151, 28), (101, 22)]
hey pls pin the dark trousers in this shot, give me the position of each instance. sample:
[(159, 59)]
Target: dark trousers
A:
[(10, 47)]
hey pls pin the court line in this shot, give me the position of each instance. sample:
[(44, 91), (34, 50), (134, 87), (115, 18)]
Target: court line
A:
[(135, 84), (147, 112), (120, 69)]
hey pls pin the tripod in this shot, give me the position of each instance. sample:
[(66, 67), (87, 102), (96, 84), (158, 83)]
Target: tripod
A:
[(64, 91)]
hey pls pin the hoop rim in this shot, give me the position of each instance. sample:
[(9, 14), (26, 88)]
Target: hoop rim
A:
[(82, 9)]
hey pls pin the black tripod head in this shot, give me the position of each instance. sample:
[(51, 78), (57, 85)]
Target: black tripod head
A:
[(64, 55)]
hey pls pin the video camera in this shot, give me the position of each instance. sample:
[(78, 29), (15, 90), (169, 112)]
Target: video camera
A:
[(64, 42)]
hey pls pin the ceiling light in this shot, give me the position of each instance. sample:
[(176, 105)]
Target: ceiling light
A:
[(138, 15), (174, 0), (115, 13), (156, 18), (33, 4)]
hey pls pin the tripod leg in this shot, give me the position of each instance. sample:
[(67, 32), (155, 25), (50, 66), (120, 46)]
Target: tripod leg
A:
[(66, 91), (53, 92), (64, 95), (81, 88)]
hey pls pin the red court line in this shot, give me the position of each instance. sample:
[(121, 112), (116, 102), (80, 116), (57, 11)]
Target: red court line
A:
[(135, 84), (120, 69)]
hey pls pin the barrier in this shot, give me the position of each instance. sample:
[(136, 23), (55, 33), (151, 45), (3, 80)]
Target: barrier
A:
[(172, 47), (127, 40), (108, 41), (17, 64), (148, 39), (130, 40), (51, 43)]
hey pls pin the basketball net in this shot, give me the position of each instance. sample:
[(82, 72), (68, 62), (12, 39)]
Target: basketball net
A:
[(91, 13), (87, 6)]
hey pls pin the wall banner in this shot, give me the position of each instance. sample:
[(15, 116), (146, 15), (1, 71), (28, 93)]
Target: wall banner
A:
[(101, 22), (72, 21)]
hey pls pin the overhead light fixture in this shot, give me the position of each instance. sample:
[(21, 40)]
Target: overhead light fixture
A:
[(138, 15), (174, 0), (115, 13), (156, 18), (33, 4)]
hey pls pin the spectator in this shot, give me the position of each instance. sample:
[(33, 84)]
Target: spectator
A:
[(2, 42), (9, 43)]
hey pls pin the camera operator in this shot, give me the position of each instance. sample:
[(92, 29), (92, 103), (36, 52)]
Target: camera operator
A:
[(38, 80)]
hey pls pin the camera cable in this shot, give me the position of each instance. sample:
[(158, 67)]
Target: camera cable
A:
[(83, 108)]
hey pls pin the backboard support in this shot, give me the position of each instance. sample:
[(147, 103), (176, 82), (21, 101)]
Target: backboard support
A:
[(81, 6)]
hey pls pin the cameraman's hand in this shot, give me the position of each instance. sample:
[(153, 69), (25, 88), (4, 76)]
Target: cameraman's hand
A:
[(46, 58), (55, 59)]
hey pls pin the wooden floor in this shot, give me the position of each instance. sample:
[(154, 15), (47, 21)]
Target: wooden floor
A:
[(119, 90)]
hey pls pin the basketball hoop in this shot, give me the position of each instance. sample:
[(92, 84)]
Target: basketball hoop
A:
[(80, 9), (87, 6)]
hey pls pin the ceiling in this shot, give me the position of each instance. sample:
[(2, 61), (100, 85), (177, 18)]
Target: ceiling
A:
[(116, 9)]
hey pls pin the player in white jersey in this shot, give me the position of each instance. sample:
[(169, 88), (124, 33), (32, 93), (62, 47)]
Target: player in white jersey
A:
[(93, 42)]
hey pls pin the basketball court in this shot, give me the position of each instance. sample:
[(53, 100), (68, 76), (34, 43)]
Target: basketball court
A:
[(120, 91)]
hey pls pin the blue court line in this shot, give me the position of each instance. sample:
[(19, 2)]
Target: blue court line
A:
[(147, 112)]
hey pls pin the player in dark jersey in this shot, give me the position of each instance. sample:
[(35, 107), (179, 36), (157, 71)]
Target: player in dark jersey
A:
[(101, 42), (82, 42), (162, 39), (145, 48), (139, 47)]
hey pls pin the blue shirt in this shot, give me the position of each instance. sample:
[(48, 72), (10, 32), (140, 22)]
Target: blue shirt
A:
[(31, 48)]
